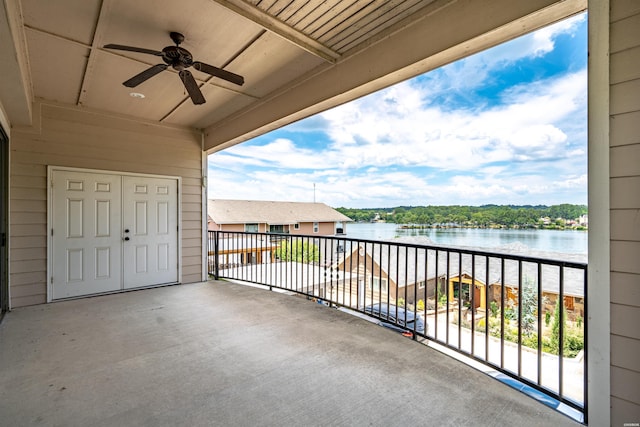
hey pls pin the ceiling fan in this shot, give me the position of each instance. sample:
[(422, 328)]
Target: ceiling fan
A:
[(180, 59)]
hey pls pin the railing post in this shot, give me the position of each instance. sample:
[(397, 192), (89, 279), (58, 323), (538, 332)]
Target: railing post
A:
[(216, 251)]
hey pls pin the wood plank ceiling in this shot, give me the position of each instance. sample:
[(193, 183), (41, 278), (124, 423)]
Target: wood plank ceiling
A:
[(272, 43)]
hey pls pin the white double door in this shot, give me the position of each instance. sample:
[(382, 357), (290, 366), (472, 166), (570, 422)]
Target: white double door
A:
[(112, 232)]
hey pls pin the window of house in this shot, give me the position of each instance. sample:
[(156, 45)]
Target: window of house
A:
[(465, 291), (421, 285), (316, 227), (276, 228), (339, 227), (376, 282), (568, 303), (296, 226), (251, 228)]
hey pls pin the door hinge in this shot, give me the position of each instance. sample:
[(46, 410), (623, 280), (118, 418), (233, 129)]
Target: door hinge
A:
[(52, 280), (52, 231), (3, 243)]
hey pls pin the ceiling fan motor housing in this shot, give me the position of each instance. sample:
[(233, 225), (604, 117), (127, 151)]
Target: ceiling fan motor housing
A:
[(179, 58)]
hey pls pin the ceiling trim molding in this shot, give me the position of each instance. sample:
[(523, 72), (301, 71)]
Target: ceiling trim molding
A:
[(91, 60), (283, 30), (16, 87)]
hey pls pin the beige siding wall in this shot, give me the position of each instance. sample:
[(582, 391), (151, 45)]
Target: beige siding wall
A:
[(324, 228), (73, 138), (232, 227), (625, 210)]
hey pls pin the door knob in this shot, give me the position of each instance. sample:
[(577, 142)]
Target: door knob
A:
[(126, 230), (126, 239)]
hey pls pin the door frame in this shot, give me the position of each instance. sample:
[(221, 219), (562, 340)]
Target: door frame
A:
[(4, 221), (50, 171)]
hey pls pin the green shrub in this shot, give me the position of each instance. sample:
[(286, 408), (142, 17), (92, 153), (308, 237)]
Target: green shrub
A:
[(480, 324), (547, 318), (530, 340), (573, 338), (442, 300), (493, 306)]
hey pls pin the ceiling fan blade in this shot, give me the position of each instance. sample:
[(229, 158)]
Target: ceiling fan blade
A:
[(218, 72), (133, 49), (145, 75), (192, 87)]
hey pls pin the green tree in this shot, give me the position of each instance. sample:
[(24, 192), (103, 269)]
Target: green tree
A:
[(559, 317), (298, 250), (529, 304)]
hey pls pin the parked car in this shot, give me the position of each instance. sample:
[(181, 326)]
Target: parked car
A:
[(394, 317)]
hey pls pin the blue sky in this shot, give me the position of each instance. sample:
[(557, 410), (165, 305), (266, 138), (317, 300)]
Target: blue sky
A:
[(505, 126)]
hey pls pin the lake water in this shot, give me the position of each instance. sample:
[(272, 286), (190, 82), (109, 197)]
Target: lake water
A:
[(564, 241)]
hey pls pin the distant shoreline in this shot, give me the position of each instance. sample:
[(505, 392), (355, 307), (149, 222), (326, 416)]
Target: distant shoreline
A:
[(489, 227)]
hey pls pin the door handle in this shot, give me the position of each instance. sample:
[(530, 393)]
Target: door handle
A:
[(126, 230), (126, 239)]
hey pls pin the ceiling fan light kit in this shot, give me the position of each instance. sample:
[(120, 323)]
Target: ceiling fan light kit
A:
[(179, 59)]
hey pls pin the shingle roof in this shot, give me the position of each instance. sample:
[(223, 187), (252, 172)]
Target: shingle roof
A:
[(414, 266), (271, 212)]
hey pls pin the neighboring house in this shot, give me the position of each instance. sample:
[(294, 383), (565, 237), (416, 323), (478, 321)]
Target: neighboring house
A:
[(384, 271), (275, 217), (412, 274), (573, 286), (255, 216)]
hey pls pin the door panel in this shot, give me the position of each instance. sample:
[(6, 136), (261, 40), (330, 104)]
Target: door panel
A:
[(150, 221), (86, 239)]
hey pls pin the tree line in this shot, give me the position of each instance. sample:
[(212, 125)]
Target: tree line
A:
[(470, 216)]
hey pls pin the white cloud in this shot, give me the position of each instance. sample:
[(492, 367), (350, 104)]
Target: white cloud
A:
[(399, 147), (365, 141), (474, 71), (363, 133)]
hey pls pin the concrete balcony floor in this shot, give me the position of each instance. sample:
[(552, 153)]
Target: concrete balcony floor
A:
[(224, 354)]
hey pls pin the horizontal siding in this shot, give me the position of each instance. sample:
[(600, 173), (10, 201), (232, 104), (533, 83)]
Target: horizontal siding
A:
[(621, 9), (34, 299), (625, 33), (624, 322), (622, 411), (626, 290), (624, 65), (70, 137), (624, 97), (625, 224), (624, 194), (18, 279), (625, 353), (624, 160), (624, 129), (628, 384)]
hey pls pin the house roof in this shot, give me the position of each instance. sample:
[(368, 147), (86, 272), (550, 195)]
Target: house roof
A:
[(223, 211), (418, 263)]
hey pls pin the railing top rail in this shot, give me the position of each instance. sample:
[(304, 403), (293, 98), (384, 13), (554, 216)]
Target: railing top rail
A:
[(434, 247)]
